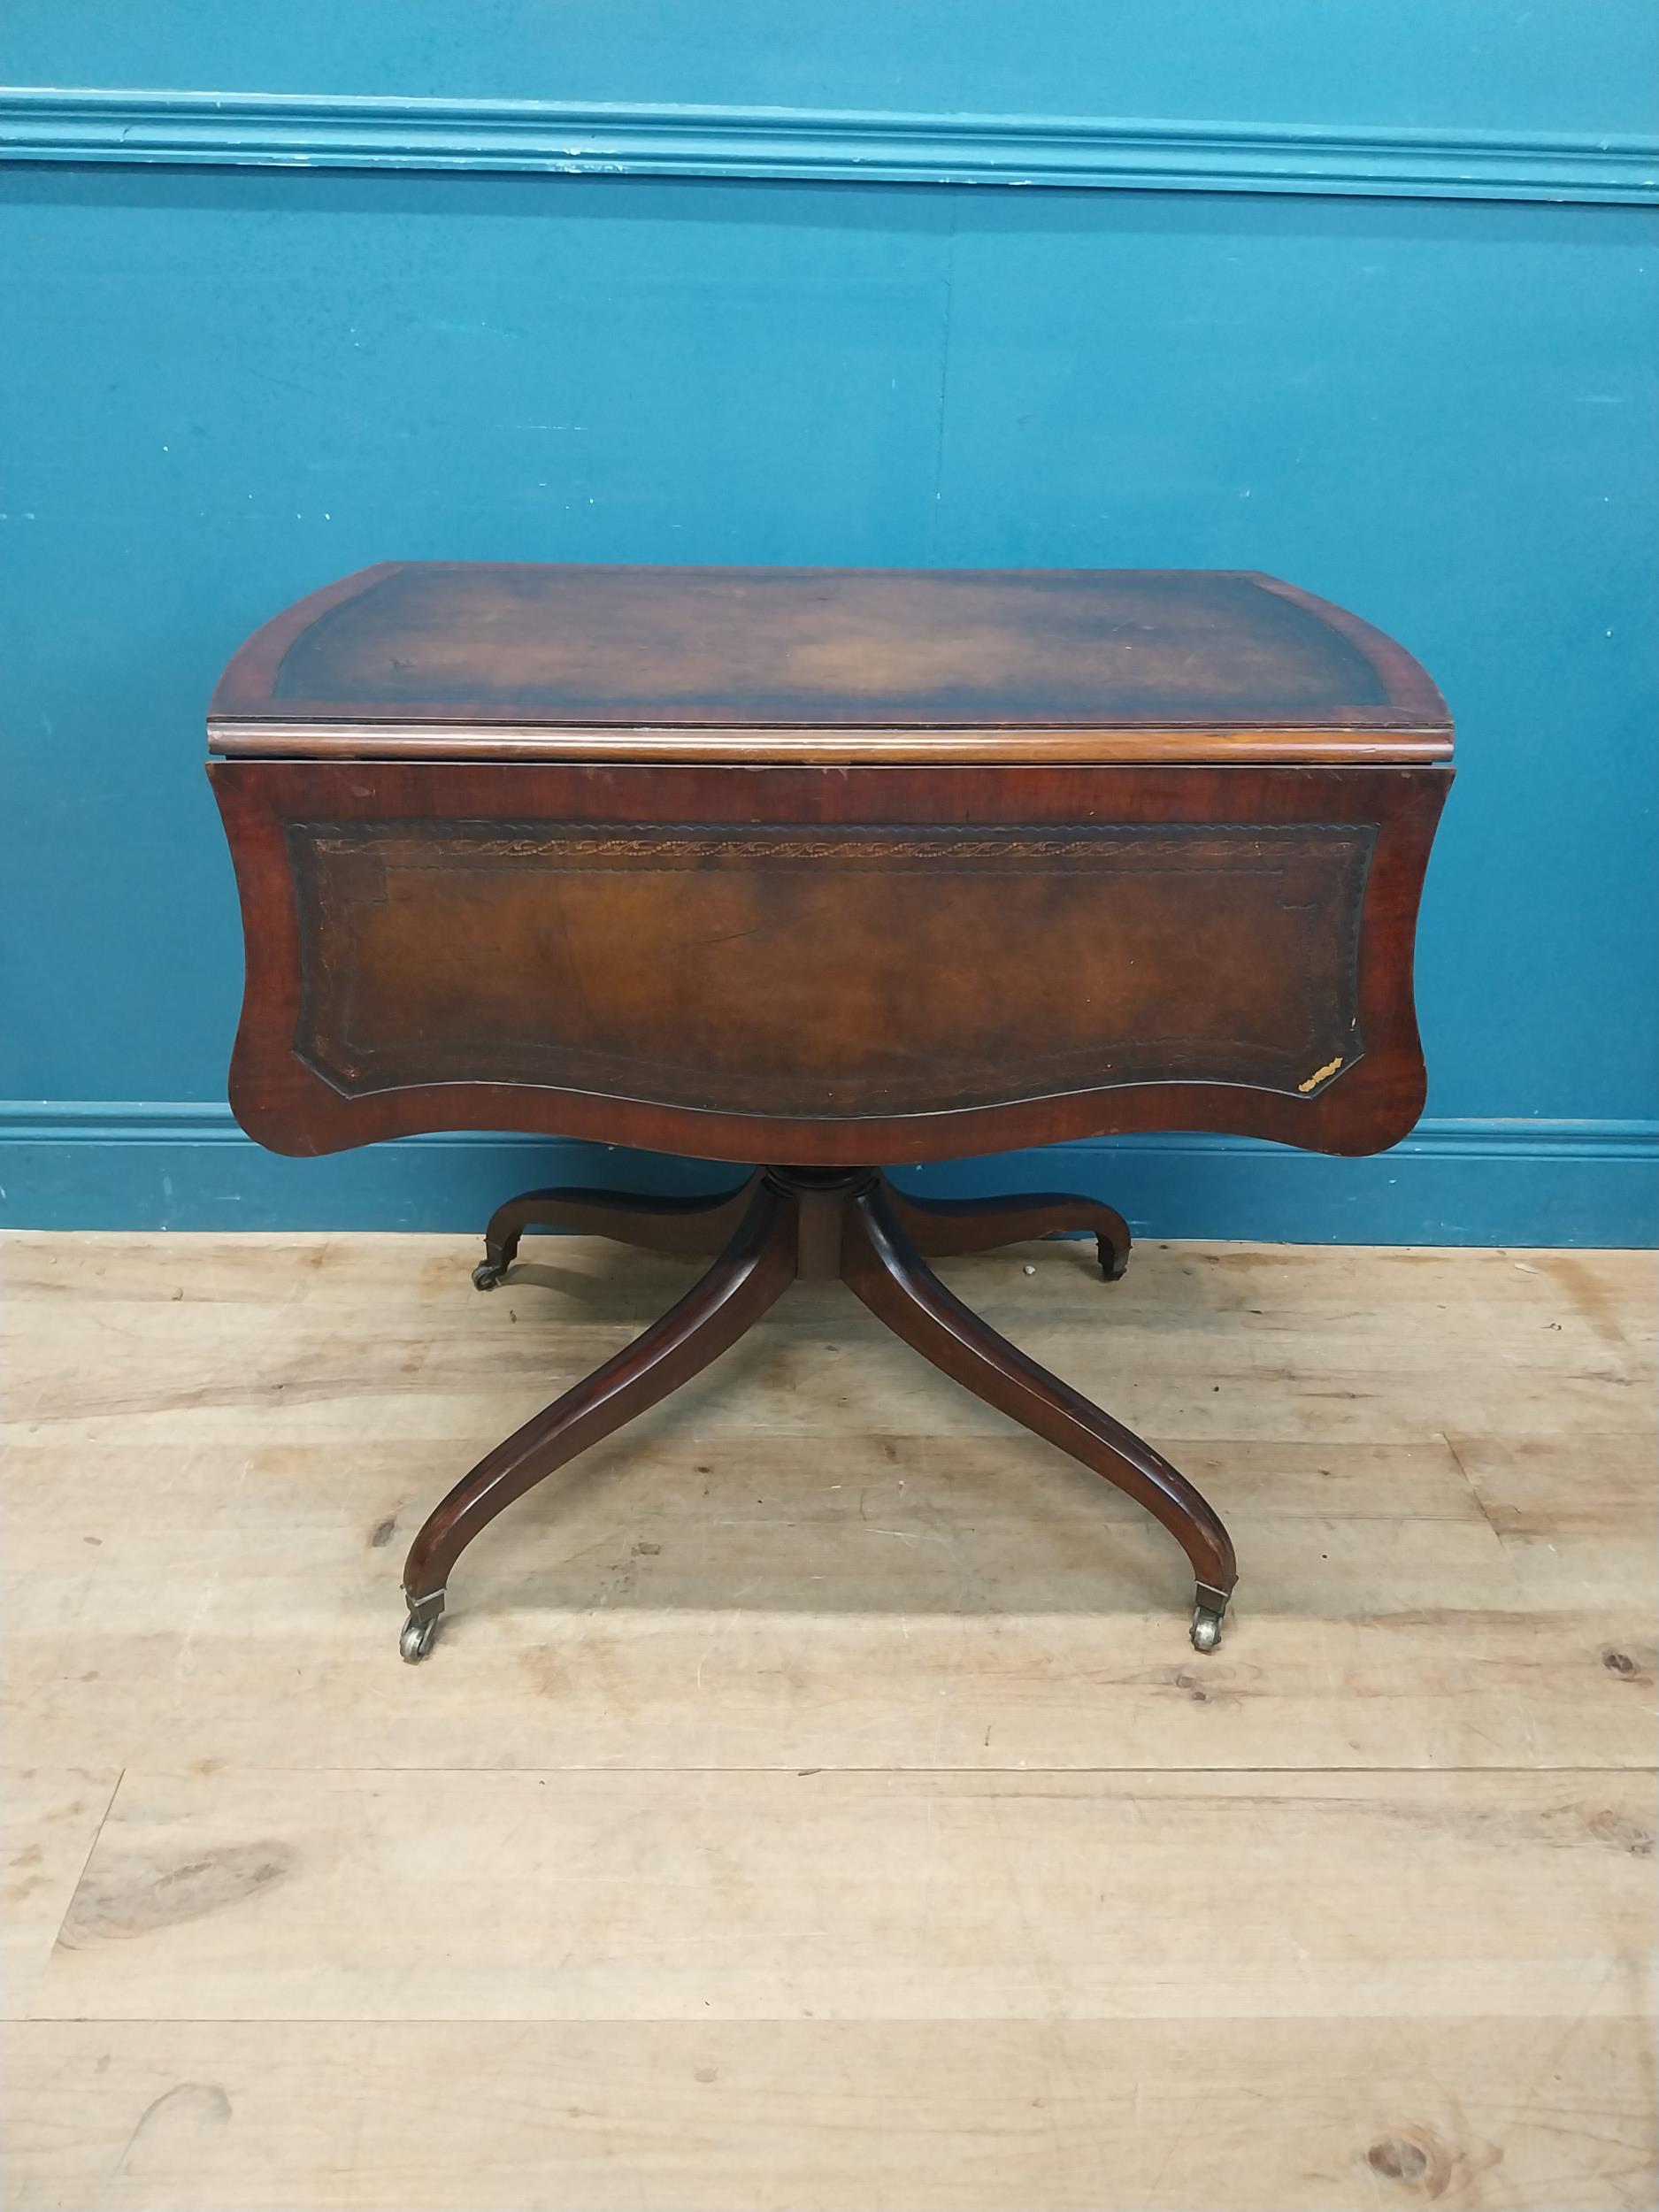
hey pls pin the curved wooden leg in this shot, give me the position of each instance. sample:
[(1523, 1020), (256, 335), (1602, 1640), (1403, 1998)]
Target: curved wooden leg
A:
[(940, 1226), (755, 1266), (883, 1268), (692, 1225)]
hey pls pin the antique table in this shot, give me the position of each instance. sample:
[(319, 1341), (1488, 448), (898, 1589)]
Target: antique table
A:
[(818, 869)]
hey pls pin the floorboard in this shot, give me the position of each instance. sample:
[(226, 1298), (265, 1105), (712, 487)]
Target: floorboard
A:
[(813, 1799)]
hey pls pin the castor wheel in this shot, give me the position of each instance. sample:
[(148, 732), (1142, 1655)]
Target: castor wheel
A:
[(485, 1276), (1114, 1259), (1209, 1606), (419, 1632), (1208, 1610)]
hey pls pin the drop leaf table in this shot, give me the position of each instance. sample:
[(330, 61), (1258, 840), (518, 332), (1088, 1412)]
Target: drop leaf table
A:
[(819, 871)]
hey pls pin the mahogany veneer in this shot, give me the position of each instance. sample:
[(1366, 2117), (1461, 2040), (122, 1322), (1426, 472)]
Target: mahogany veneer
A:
[(821, 868)]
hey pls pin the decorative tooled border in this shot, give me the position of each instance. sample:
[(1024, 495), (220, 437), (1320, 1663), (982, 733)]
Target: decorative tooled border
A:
[(856, 846)]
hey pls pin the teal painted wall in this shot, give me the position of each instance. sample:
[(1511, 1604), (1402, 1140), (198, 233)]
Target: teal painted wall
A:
[(227, 381)]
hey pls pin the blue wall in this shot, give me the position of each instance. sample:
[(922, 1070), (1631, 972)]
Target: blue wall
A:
[(1305, 349)]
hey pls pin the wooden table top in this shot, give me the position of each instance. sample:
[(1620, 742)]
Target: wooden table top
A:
[(467, 660)]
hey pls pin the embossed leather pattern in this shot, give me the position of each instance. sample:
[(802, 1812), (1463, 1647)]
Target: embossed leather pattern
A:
[(730, 966)]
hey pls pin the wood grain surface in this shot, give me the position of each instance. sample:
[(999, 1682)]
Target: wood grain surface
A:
[(819, 1806)]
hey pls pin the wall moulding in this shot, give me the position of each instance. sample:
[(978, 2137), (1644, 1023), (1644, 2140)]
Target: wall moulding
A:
[(304, 131)]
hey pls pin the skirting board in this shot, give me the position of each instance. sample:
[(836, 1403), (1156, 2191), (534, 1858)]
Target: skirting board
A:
[(91, 1164)]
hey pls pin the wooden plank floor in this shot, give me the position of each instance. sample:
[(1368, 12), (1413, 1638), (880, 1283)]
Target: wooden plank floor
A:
[(813, 1799)]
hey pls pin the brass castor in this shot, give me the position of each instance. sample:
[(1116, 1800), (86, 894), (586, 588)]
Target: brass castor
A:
[(420, 1629), (1206, 1629), (1208, 1610)]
